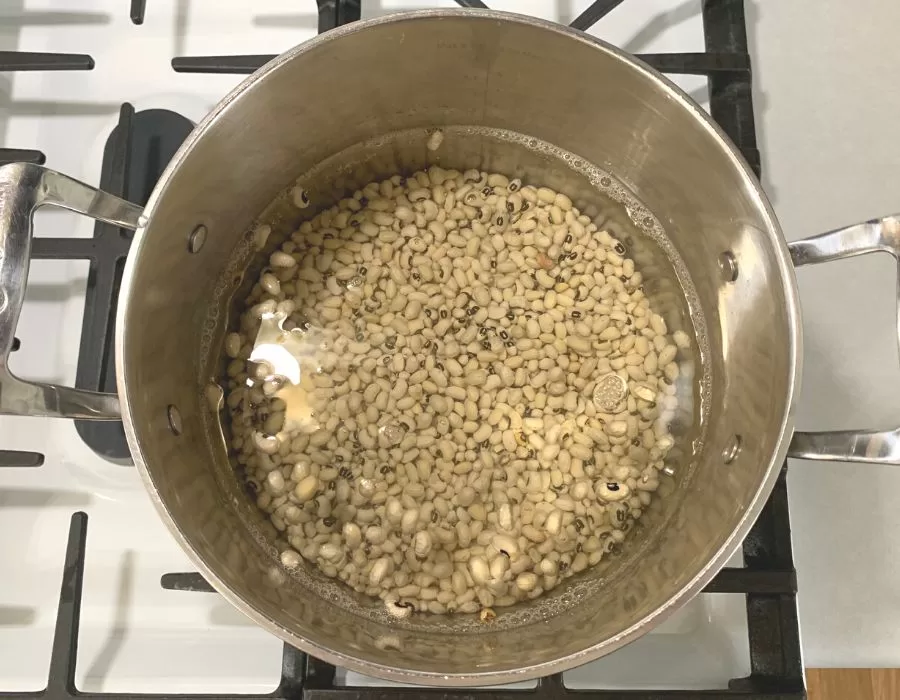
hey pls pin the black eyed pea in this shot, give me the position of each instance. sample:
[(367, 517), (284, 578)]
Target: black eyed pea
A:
[(366, 488), (505, 545), (394, 511), (233, 344), (479, 570), (422, 543), (644, 392), (553, 524), (519, 565), (504, 517), (375, 534), (261, 235), (616, 428), (290, 559), (458, 583), (331, 552), (409, 520), (463, 534), (466, 496), (645, 487), (526, 582), (306, 489), (612, 491), (279, 259), (275, 482), (579, 562), (267, 444), (396, 609), (471, 606), (499, 565), (681, 339), (548, 567), (445, 310), (532, 534), (580, 490), (380, 569), (666, 355), (352, 535)]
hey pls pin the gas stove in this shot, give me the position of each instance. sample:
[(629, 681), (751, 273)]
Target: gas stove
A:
[(105, 91)]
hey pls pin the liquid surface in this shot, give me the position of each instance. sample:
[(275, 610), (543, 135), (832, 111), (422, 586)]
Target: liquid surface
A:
[(290, 349)]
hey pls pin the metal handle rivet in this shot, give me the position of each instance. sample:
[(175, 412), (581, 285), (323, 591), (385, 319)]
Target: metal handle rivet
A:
[(732, 449), (728, 266), (174, 417), (197, 239)]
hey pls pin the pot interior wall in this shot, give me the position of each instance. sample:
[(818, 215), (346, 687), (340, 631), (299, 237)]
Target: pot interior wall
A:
[(424, 71)]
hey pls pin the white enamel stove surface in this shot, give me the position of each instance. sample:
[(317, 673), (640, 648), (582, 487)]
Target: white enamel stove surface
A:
[(135, 636)]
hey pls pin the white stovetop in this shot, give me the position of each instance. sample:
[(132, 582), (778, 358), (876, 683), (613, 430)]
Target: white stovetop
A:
[(134, 636), (827, 104)]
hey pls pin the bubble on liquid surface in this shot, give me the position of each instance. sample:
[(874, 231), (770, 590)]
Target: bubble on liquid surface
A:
[(391, 433), (610, 392)]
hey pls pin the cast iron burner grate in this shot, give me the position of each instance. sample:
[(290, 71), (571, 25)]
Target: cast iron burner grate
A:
[(768, 580), (11, 61), (135, 155)]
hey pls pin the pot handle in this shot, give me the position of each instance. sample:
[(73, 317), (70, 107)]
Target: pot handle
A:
[(877, 446), (23, 188)]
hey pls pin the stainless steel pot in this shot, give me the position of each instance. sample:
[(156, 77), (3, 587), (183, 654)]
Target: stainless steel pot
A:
[(431, 69)]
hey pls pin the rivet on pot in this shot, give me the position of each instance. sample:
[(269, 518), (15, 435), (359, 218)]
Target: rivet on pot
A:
[(728, 266), (732, 449), (197, 239), (174, 416)]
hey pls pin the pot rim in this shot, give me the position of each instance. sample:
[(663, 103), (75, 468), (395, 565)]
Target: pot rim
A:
[(648, 622)]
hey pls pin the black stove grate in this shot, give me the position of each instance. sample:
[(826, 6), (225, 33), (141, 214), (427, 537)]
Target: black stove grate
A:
[(136, 152), (11, 61), (771, 612), (138, 9), (135, 155), (15, 61)]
